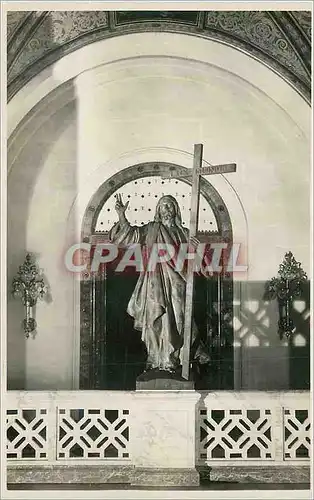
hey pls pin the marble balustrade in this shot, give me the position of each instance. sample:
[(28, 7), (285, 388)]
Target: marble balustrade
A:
[(180, 429)]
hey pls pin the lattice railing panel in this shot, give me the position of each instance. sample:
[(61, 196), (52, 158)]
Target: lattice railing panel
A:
[(235, 426), (93, 434), (236, 434), (27, 434), (297, 425)]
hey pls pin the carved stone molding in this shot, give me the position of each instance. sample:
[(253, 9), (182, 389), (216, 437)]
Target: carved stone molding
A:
[(279, 39)]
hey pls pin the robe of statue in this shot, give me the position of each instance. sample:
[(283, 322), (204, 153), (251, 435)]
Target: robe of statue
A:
[(158, 301)]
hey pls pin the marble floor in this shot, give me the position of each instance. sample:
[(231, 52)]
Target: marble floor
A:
[(213, 485)]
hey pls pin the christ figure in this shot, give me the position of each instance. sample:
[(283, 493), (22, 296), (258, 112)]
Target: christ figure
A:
[(158, 300)]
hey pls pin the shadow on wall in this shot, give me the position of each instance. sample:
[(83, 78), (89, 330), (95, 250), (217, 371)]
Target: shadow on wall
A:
[(30, 146), (299, 344), (115, 356), (268, 362)]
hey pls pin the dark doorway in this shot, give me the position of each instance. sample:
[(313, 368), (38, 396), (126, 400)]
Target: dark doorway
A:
[(112, 352)]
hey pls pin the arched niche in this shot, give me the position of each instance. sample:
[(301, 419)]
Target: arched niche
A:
[(105, 337)]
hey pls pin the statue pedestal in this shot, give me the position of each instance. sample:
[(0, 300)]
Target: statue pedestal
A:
[(163, 381), (163, 440)]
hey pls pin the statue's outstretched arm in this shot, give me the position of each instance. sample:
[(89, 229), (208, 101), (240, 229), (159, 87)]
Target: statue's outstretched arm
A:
[(122, 233), (120, 209)]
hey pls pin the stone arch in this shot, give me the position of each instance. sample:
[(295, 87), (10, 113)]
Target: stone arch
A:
[(140, 170), (176, 45)]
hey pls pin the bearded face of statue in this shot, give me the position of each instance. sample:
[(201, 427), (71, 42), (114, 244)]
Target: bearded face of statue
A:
[(167, 210)]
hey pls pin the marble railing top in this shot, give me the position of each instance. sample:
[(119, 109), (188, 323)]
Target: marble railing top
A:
[(123, 398)]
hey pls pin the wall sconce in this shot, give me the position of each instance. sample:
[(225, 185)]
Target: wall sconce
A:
[(285, 287), (29, 286)]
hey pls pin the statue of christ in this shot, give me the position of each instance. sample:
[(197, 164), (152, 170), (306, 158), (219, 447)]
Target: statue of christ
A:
[(158, 300)]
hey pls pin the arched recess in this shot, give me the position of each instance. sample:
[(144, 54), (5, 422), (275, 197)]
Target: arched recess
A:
[(269, 88), (171, 45), (105, 358)]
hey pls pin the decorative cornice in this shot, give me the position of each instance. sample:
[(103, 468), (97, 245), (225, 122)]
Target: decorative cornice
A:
[(14, 20), (279, 39), (304, 21)]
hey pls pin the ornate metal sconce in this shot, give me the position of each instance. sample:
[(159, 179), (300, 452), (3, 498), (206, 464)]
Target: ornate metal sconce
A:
[(29, 286), (285, 287)]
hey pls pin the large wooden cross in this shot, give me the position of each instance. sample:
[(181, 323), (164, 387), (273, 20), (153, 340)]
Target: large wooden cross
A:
[(196, 174)]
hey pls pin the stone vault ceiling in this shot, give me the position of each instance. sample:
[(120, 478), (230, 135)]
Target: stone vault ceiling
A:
[(282, 40)]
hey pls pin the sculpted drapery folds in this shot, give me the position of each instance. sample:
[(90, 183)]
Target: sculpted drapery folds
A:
[(158, 301)]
